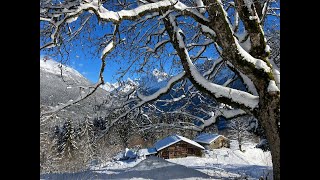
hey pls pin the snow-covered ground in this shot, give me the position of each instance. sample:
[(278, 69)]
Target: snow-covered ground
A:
[(231, 163), (221, 163), (115, 167)]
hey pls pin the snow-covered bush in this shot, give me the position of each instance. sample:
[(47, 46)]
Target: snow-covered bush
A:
[(125, 155)]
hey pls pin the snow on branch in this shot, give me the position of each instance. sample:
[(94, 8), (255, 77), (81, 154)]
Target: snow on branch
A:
[(102, 13), (75, 33), (213, 67), (163, 90), (200, 4), (236, 21), (250, 86), (272, 87), (139, 11), (264, 10), (142, 20), (192, 12), (227, 113), (116, 17), (46, 19), (54, 35), (145, 99), (107, 49), (258, 63), (246, 80), (208, 30), (172, 100), (221, 111), (70, 15), (250, 13), (276, 72), (240, 97), (205, 43)]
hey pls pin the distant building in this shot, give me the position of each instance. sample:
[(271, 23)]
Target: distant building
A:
[(176, 146), (212, 141)]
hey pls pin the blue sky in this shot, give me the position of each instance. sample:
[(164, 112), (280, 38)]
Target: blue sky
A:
[(87, 61), (89, 64), (90, 68)]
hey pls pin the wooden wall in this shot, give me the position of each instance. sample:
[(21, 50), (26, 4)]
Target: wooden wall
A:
[(219, 143), (180, 149)]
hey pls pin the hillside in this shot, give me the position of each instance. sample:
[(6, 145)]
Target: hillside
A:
[(56, 89)]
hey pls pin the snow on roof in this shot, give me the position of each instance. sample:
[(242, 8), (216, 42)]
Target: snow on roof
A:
[(190, 141), (147, 151), (163, 143), (206, 138)]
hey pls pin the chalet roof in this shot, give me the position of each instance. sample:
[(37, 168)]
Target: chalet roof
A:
[(147, 151), (163, 143), (206, 138)]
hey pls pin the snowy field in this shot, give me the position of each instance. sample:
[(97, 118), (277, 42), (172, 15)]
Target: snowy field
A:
[(231, 163), (222, 163)]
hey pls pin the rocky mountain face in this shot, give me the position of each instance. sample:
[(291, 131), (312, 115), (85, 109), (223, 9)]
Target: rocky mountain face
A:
[(61, 84)]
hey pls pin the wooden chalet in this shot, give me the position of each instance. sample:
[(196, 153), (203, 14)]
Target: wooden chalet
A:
[(212, 141), (176, 146)]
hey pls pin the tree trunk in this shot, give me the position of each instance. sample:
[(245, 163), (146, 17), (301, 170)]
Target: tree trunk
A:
[(269, 117)]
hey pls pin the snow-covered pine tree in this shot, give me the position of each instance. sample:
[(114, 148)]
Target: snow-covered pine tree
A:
[(67, 144)]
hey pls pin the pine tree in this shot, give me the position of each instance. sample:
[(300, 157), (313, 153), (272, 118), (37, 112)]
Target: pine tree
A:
[(67, 144)]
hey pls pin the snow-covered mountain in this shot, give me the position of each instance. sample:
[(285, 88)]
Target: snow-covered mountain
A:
[(56, 89), (53, 67), (123, 87), (159, 76), (152, 81)]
